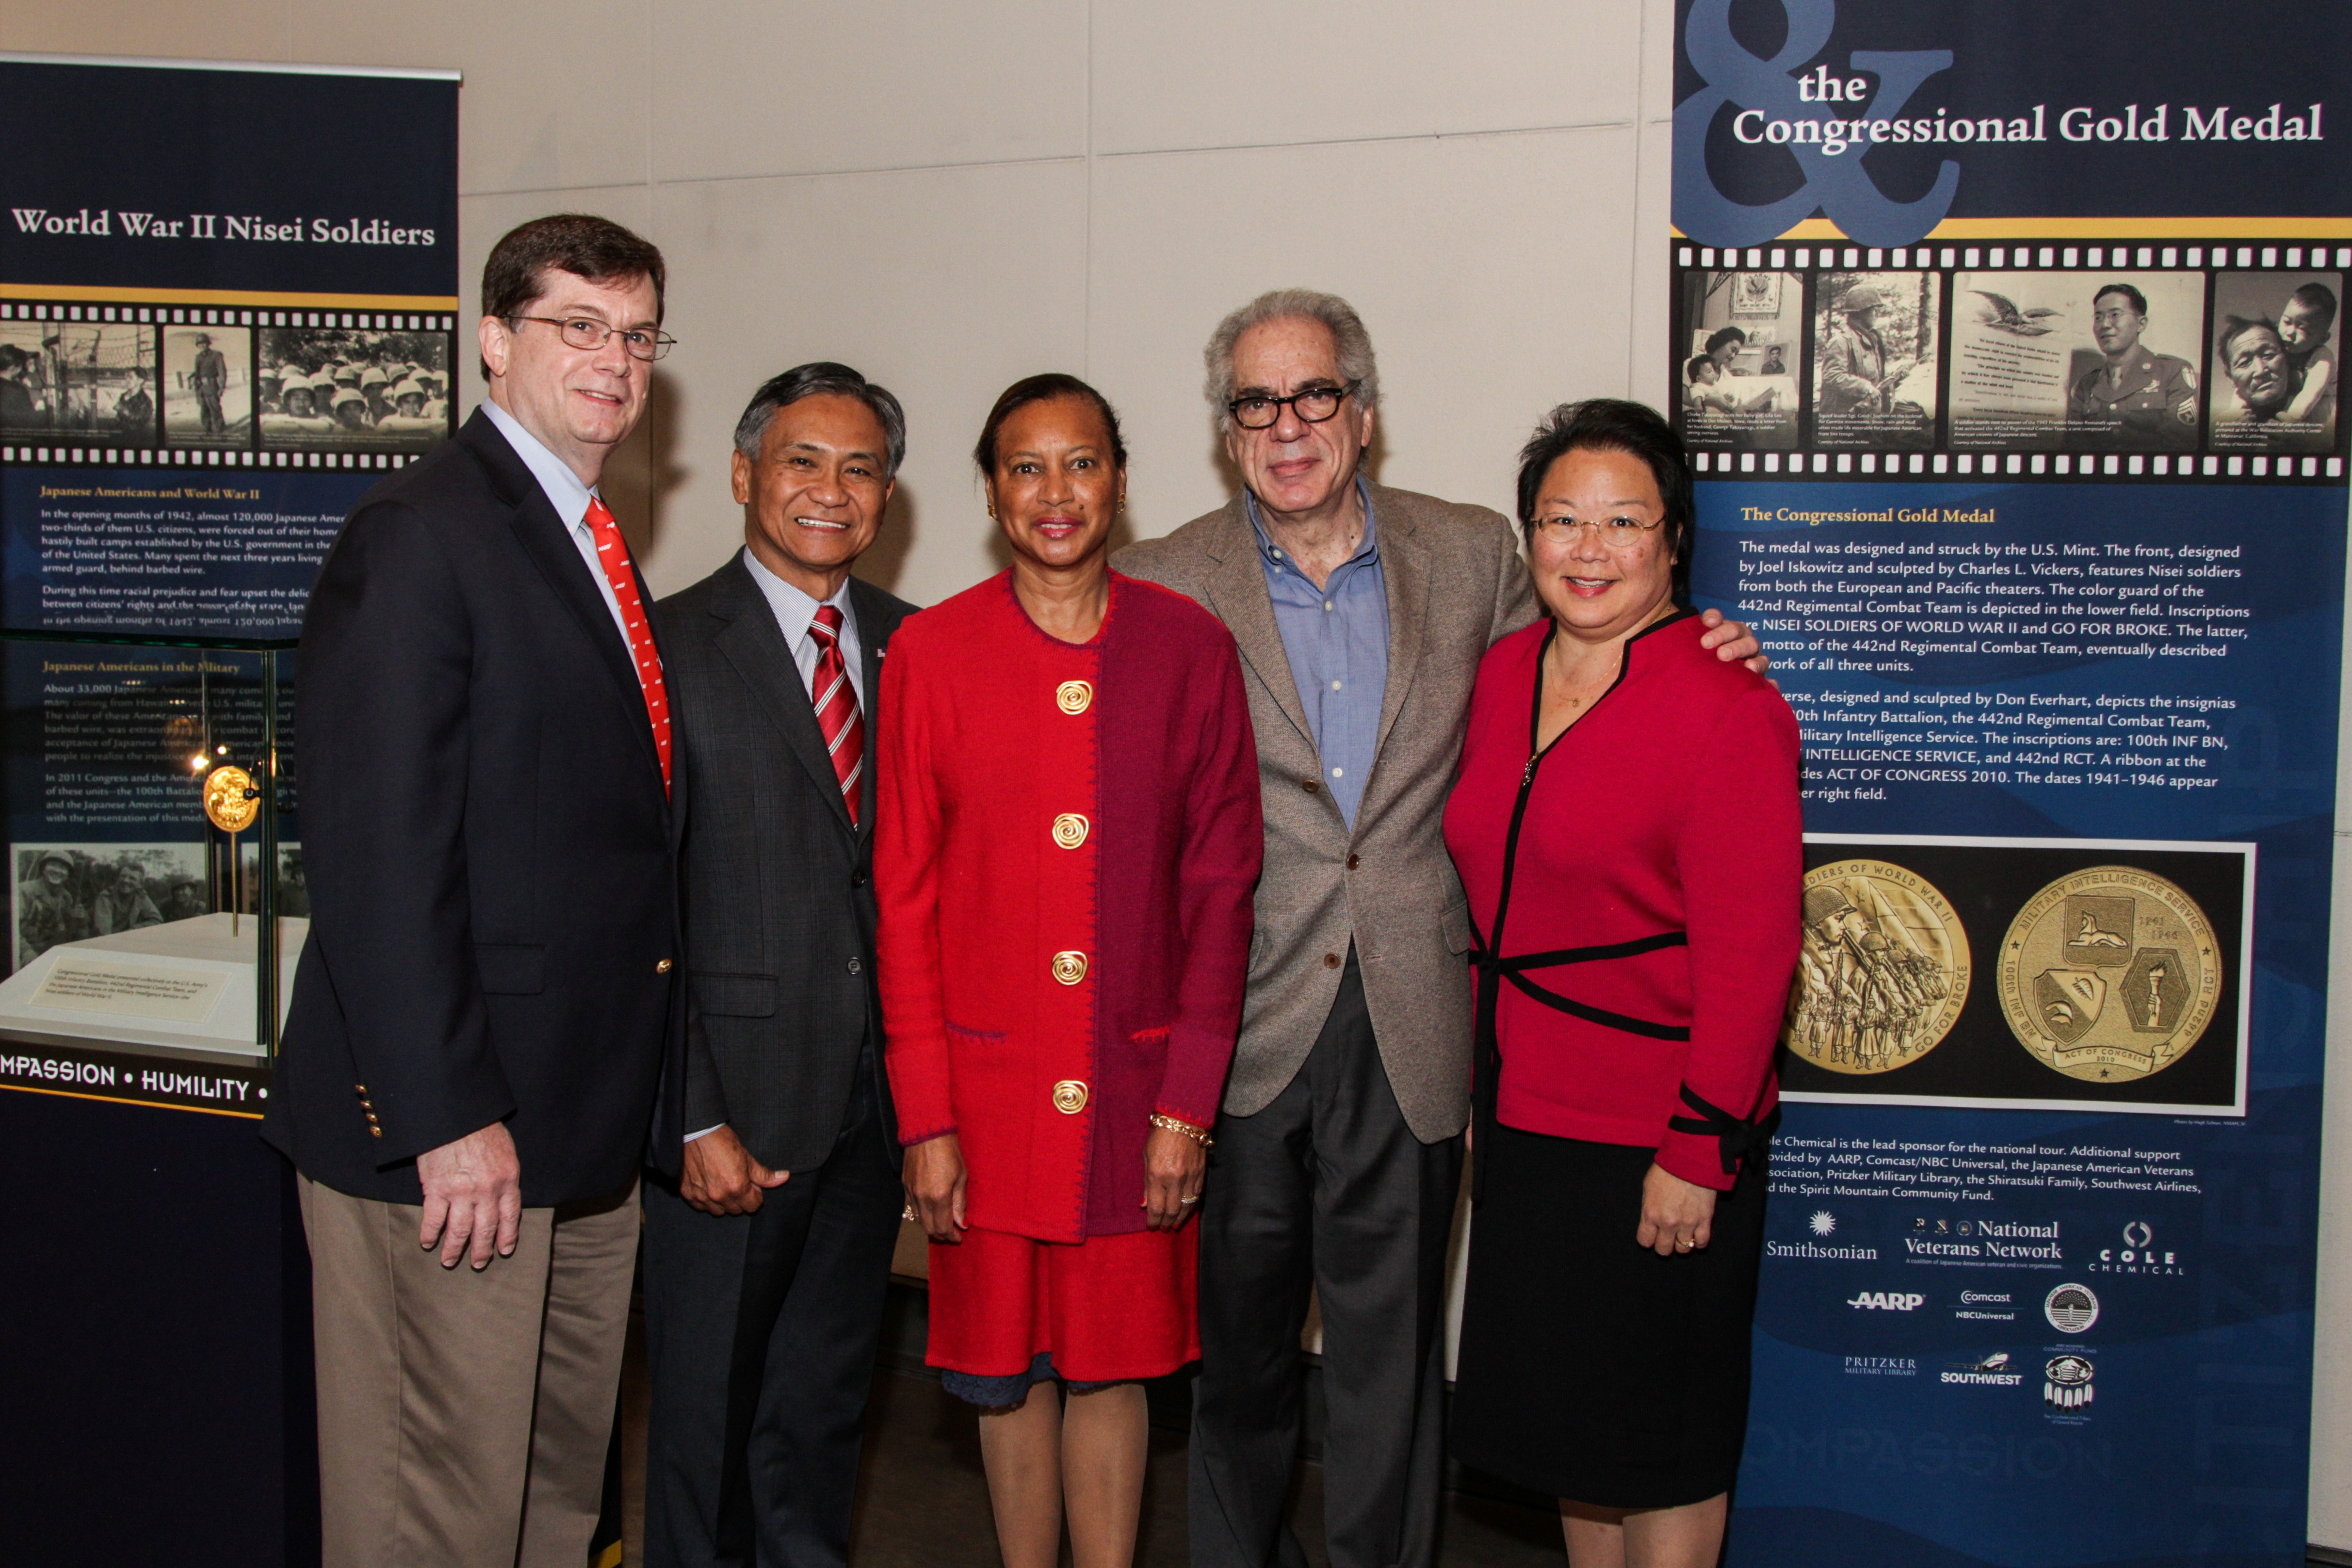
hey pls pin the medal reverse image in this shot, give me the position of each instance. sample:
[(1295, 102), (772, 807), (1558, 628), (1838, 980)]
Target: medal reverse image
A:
[(2109, 974)]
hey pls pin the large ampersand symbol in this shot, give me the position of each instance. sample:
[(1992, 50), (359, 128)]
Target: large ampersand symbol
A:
[(1838, 187)]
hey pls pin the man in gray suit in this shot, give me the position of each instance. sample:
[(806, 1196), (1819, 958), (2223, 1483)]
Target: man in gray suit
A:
[(766, 1262), (1361, 613)]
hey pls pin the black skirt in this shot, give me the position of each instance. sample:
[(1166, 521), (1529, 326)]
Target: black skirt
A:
[(1591, 1368)]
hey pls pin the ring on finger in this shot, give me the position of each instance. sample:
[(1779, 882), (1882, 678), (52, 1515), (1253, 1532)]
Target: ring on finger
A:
[(1194, 1198)]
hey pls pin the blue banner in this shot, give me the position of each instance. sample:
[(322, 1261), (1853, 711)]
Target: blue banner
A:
[(2004, 338)]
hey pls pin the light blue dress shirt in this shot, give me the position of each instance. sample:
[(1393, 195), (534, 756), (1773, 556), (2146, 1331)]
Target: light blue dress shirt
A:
[(1337, 639), (568, 496), (795, 612)]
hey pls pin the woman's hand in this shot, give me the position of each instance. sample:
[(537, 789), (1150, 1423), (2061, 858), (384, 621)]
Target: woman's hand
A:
[(1173, 1166), (1677, 1216), (934, 1176)]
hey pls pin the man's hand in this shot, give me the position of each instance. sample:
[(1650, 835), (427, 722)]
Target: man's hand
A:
[(721, 1177), (934, 1176), (1732, 640), (1173, 1166), (473, 1194)]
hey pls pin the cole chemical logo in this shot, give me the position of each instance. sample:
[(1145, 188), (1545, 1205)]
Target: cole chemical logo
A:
[(2138, 1254), (2071, 1309), (2066, 1385), (1887, 1301), (1994, 1372)]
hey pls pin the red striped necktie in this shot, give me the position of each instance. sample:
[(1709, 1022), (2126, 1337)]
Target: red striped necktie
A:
[(612, 560), (836, 708)]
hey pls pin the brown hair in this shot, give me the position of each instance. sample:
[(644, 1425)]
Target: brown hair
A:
[(597, 249)]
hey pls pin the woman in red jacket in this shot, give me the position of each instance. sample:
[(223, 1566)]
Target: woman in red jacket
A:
[(1626, 826), (1067, 843)]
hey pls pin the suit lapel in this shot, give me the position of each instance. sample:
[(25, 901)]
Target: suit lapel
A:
[(1235, 584), (1405, 573), (548, 544), (756, 648), (875, 624)]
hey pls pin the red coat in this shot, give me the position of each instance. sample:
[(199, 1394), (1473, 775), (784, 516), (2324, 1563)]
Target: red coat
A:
[(1663, 824), (1066, 843)]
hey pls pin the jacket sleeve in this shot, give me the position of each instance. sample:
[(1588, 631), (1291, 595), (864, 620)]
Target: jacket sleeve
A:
[(387, 673), (1515, 603), (1740, 855), (1223, 847), (907, 842)]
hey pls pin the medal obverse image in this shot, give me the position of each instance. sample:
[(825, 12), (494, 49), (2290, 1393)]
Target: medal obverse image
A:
[(2109, 974), (1883, 970)]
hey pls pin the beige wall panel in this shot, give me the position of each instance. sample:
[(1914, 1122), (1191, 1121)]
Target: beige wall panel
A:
[(1229, 73), (555, 95), (1492, 272), (820, 85), (944, 285), (174, 29), (1649, 326), (481, 220)]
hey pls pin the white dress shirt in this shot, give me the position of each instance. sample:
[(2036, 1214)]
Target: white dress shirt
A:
[(569, 497), (795, 610)]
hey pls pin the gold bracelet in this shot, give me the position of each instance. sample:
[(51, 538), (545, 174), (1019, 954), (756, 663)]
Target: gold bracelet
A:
[(1199, 1135)]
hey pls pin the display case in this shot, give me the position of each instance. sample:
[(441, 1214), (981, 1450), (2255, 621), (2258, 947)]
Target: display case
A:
[(156, 900)]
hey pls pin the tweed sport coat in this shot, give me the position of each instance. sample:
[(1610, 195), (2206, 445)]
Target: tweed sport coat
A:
[(1456, 585)]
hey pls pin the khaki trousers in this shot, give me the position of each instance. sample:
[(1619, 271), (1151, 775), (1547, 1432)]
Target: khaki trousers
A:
[(463, 1416)]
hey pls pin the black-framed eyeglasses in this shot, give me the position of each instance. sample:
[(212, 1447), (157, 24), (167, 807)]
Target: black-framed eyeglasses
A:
[(1313, 406), (587, 333)]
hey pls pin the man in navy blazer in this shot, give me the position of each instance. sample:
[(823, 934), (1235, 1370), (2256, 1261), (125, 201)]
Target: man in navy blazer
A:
[(488, 996)]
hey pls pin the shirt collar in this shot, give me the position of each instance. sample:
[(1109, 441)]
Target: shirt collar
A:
[(563, 489), (1367, 551), (793, 609)]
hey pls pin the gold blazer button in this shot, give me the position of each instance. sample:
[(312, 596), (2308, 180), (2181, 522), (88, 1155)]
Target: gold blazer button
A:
[(1070, 830), (1069, 1096), (661, 967), (1074, 696), (1069, 967)]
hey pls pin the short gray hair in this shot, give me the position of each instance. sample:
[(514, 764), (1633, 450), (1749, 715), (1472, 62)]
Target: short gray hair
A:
[(821, 378), (1351, 343)]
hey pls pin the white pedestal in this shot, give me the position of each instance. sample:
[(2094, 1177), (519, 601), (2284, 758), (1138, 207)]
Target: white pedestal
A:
[(187, 984)]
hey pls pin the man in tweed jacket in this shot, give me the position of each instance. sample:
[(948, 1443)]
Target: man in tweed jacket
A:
[(1361, 613)]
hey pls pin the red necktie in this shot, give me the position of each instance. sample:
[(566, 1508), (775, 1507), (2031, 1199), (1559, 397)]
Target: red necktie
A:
[(612, 557), (836, 708)]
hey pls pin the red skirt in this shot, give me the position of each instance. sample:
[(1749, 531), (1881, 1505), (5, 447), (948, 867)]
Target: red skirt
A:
[(1108, 1309)]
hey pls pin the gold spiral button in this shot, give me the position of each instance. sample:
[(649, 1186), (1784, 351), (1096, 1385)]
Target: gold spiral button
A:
[(1070, 830), (1070, 967), (1074, 696), (1069, 1096)]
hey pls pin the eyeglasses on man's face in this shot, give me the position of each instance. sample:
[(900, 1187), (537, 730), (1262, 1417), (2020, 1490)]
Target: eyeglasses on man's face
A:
[(1262, 410), (588, 334)]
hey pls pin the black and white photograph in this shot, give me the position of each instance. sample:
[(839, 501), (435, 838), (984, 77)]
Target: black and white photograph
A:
[(208, 386), (76, 382), (2275, 361), (1875, 351), (66, 892), (1742, 338), (353, 389), (2086, 361)]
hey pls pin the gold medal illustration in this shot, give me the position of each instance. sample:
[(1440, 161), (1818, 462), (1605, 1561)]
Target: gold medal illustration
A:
[(1883, 970), (230, 799), (2109, 974)]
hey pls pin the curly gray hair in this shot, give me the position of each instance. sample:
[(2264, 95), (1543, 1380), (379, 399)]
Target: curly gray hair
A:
[(1348, 338)]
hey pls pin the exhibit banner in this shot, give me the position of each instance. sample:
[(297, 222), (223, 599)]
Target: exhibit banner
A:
[(2005, 336), (228, 299)]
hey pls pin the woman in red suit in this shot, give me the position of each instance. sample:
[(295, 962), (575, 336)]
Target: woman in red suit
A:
[(1626, 826), (1066, 847)]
